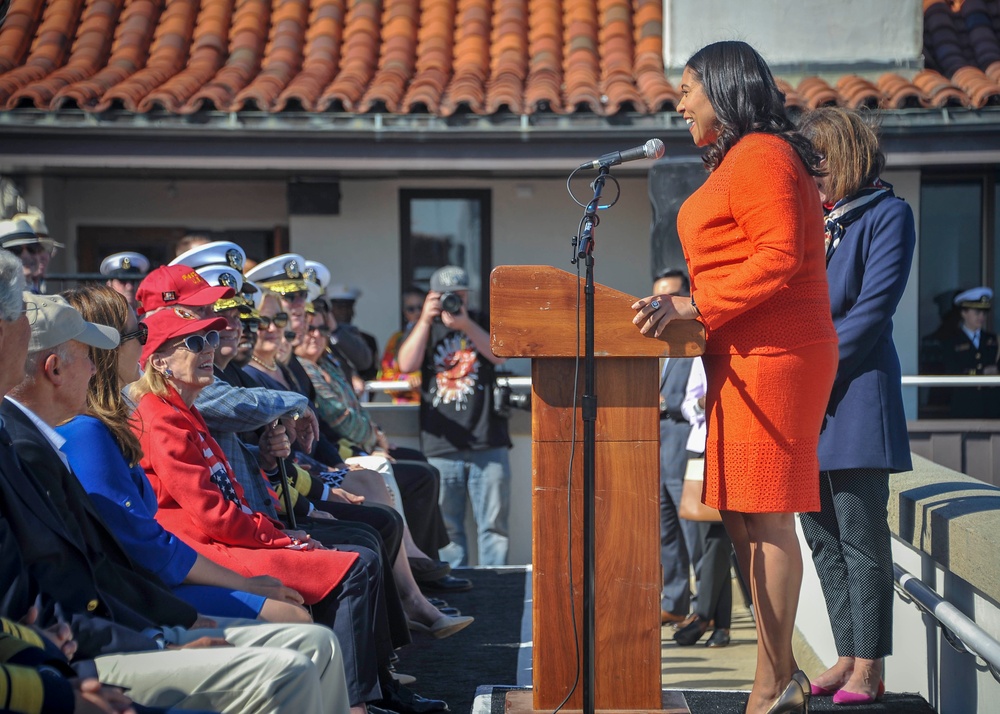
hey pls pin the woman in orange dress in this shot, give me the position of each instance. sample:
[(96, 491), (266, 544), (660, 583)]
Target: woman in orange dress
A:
[(753, 240)]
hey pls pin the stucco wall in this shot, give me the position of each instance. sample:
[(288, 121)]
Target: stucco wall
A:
[(887, 32)]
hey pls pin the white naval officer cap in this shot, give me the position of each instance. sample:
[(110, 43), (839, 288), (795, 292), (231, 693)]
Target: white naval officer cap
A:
[(220, 252), (127, 264), (317, 278), (282, 274), (976, 298)]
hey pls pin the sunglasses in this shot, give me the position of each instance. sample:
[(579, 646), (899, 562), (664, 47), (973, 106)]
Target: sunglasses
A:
[(279, 320), (321, 329), (141, 333), (30, 248), (197, 343), (251, 324)]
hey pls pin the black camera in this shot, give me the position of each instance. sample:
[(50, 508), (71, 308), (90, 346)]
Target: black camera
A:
[(505, 399), (451, 303)]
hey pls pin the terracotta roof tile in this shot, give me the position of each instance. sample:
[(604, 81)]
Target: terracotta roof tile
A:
[(208, 51), (440, 57)]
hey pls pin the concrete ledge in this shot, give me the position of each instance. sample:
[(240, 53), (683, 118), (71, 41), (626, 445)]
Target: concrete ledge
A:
[(953, 518)]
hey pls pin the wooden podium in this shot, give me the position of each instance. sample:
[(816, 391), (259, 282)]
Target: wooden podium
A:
[(533, 313)]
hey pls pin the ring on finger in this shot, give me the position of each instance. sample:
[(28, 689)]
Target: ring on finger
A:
[(655, 304)]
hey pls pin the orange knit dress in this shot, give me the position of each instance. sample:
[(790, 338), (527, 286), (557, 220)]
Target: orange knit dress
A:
[(753, 240)]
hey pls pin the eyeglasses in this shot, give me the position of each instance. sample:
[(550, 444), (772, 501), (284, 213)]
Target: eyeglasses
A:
[(197, 343), (321, 329), (279, 320), (141, 333), (251, 324)]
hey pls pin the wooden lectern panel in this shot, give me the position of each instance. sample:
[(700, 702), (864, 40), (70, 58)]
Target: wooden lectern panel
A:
[(533, 313), (624, 394), (626, 568)]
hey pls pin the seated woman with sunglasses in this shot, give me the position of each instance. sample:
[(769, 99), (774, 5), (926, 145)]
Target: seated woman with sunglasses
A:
[(105, 454), (201, 501), (270, 327)]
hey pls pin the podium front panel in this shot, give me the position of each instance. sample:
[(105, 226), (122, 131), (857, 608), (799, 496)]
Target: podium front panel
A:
[(627, 561)]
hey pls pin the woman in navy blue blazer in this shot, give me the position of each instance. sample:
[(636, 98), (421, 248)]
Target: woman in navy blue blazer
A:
[(870, 240)]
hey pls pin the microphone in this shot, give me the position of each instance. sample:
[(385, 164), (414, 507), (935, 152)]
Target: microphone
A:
[(652, 149)]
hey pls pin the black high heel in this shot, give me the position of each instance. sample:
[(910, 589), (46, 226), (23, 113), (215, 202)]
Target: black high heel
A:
[(792, 701)]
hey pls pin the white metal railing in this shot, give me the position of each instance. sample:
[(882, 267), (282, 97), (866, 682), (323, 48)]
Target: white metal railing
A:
[(960, 632), (908, 380), (401, 386), (951, 380)]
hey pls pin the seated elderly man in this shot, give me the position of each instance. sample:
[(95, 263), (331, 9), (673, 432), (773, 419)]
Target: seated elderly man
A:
[(65, 561)]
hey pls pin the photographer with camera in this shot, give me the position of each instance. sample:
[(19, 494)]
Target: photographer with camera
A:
[(461, 431)]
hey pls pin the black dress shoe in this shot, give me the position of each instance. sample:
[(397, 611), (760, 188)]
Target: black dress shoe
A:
[(450, 611), (425, 569), (449, 583), (719, 638), (405, 701), (437, 602), (691, 632)]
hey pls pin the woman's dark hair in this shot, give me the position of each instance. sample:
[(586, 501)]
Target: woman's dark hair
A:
[(741, 88)]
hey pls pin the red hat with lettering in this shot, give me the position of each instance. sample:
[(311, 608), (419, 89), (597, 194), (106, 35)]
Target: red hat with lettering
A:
[(171, 285)]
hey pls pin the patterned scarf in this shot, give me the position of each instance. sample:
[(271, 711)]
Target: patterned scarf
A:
[(847, 210)]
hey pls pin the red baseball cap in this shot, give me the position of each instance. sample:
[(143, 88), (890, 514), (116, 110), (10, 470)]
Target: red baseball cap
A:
[(168, 324), (171, 285)]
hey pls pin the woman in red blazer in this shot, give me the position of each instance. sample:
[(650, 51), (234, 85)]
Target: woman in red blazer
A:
[(201, 502)]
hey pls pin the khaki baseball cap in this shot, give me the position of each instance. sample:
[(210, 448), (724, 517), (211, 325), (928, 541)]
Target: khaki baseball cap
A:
[(54, 321)]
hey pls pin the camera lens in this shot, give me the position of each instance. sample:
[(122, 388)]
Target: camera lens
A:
[(451, 303)]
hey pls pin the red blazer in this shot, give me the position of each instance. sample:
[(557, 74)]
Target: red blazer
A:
[(201, 502)]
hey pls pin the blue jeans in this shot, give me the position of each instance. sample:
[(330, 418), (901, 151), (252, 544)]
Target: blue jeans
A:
[(484, 478)]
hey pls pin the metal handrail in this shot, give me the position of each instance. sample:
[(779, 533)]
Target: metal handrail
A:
[(385, 385), (951, 380), (959, 631), (909, 380)]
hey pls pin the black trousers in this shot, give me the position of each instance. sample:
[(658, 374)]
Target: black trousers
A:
[(852, 550), (419, 485), (355, 611), (345, 533), (715, 593)]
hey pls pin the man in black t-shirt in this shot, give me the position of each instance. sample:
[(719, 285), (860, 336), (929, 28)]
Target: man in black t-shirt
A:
[(460, 433)]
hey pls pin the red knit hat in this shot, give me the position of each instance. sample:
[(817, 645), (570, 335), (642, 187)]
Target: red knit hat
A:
[(171, 285), (166, 325)]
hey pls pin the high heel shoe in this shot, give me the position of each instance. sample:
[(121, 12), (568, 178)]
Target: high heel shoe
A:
[(792, 701), (807, 687), (845, 697)]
